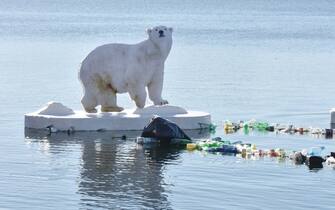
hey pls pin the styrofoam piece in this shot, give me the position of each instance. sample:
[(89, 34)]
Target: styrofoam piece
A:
[(332, 118), (130, 119), (55, 108)]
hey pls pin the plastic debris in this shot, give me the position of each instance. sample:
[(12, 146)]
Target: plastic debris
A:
[(298, 158), (148, 140), (144, 140), (191, 146), (329, 133), (262, 126), (330, 160), (162, 129), (315, 162), (311, 157), (210, 127)]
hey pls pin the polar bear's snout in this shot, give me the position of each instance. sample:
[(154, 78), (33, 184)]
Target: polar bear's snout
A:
[(161, 33)]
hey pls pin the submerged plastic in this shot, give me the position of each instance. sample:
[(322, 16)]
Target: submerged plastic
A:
[(222, 146)]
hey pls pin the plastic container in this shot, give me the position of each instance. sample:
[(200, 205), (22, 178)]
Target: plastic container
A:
[(191, 146), (329, 133), (271, 128), (145, 140)]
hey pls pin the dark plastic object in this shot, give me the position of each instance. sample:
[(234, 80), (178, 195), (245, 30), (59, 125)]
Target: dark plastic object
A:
[(270, 128), (162, 129), (315, 162), (329, 133)]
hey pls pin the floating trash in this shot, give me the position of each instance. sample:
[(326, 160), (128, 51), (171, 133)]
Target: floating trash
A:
[(298, 158), (210, 127), (191, 146), (315, 162), (311, 157), (262, 126), (330, 160)]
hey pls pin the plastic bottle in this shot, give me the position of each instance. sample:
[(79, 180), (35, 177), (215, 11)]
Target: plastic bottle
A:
[(251, 123), (191, 146), (228, 127), (280, 152), (245, 128), (316, 151), (253, 147), (329, 133)]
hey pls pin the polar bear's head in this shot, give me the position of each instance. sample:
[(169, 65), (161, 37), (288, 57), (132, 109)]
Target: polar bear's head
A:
[(160, 35)]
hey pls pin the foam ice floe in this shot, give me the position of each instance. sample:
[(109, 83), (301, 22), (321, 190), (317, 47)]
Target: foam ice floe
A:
[(63, 118)]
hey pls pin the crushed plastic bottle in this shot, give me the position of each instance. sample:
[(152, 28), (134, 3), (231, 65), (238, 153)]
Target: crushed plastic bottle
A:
[(261, 126), (223, 146), (228, 127)]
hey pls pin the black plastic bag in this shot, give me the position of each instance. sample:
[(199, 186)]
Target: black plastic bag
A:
[(315, 162), (162, 129)]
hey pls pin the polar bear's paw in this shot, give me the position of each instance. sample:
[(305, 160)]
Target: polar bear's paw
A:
[(162, 102), (111, 109), (91, 110)]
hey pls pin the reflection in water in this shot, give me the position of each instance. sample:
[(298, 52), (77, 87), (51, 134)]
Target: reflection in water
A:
[(115, 172)]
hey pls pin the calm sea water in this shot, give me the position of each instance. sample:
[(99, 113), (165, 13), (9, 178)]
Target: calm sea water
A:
[(270, 60)]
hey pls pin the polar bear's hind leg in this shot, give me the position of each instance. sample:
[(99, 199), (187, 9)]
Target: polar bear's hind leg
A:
[(108, 102), (107, 95)]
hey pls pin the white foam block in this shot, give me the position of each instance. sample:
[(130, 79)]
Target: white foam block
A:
[(63, 118)]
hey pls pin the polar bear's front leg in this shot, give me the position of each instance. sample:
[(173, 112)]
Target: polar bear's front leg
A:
[(155, 89), (139, 95)]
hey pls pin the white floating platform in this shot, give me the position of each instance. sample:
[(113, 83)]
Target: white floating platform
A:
[(332, 118), (62, 118)]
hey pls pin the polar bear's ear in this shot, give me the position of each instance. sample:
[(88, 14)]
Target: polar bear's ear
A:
[(170, 29), (149, 30)]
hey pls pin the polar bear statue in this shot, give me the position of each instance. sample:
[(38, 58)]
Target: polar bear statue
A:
[(121, 68)]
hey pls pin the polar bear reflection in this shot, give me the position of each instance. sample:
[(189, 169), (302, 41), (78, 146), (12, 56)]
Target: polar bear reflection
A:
[(120, 68)]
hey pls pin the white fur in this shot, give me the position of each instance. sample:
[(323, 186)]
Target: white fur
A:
[(120, 68)]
